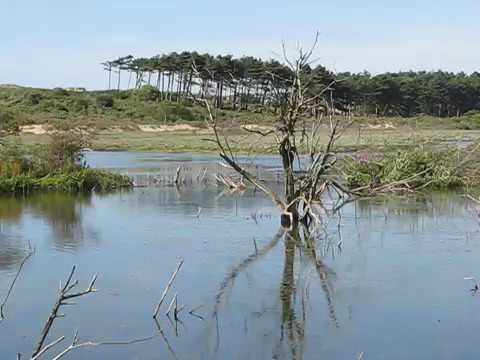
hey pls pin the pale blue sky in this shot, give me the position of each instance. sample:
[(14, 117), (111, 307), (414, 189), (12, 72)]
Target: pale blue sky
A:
[(53, 43)]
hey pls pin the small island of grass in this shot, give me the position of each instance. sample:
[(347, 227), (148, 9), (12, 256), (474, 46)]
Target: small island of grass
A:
[(56, 166)]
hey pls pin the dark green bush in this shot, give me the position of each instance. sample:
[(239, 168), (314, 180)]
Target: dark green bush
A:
[(65, 150), (60, 92), (81, 180), (8, 122), (81, 105), (33, 98), (105, 101), (178, 112), (56, 166), (147, 93), (122, 94)]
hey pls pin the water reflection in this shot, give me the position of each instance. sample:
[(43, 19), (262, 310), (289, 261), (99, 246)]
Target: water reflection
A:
[(10, 210), (12, 252), (299, 253), (63, 213), (385, 277)]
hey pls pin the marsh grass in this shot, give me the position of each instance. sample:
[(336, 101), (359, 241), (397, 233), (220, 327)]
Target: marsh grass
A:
[(56, 166), (413, 169)]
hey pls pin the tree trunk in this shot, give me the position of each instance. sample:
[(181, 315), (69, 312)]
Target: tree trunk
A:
[(119, 73), (158, 80), (287, 154), (235, 97)]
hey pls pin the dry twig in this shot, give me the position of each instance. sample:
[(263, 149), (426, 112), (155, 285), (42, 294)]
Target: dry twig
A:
[(165, 291)]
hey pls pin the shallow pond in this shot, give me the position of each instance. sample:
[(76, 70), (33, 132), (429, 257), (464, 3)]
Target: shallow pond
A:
[(386, 283)]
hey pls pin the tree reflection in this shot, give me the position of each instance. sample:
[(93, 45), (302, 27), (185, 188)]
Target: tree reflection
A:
[(12, 252), (291, 326), (10, 209), (299, 245), (62, 212)]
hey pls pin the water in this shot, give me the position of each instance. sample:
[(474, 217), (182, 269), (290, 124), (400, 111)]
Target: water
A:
[(388, 282)]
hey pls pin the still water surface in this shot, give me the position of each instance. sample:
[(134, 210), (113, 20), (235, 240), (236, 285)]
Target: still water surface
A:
[(388, 282)]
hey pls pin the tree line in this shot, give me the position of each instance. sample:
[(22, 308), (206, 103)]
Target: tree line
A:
[(250, 83)]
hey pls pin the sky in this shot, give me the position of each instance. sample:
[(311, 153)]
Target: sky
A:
[(61, 43)]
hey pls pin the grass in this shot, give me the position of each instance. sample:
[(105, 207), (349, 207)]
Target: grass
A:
[(113, 117), (126, 108), (194, 141), (82, 180), (413, 169), (57, 165), (101, 109)]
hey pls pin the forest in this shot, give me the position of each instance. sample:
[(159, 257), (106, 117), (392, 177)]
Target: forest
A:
[(247, 82)]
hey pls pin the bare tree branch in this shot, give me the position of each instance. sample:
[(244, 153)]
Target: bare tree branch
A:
[(10, 288), (64, 295)]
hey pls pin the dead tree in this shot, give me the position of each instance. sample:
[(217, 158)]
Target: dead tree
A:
[(298, 98), (65, 296)]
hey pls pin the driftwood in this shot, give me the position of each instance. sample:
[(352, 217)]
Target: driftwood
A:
[(176, 181), (76, 344), (230, 184), (472, 198)]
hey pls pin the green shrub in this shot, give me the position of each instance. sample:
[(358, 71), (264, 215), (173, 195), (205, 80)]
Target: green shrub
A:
[(122, 94), (60, 92), (408, 168), (53, 106), (33, 98), (105, 101), (65, 150), (13, 159), (9, 121), (81, 105), (147, 93), (178, 112), (57, 166), (82, 180)]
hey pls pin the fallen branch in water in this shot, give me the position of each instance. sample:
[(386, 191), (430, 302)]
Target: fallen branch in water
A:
[(230, 184), (470, 197), (77, 344), (164, 337), (176, 181), (64, 297), (10, 288), (193, 312), (165, 291)]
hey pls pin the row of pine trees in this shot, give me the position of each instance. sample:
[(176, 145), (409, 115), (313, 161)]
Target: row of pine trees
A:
[(249, 82)]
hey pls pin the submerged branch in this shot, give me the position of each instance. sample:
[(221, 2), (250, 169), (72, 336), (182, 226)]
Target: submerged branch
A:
[(12, 284)]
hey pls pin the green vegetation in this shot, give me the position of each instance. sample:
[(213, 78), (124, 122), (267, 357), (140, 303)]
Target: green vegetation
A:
[(413, 169), (101, 109), (248, 82), (56, 166), (81, 180)]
